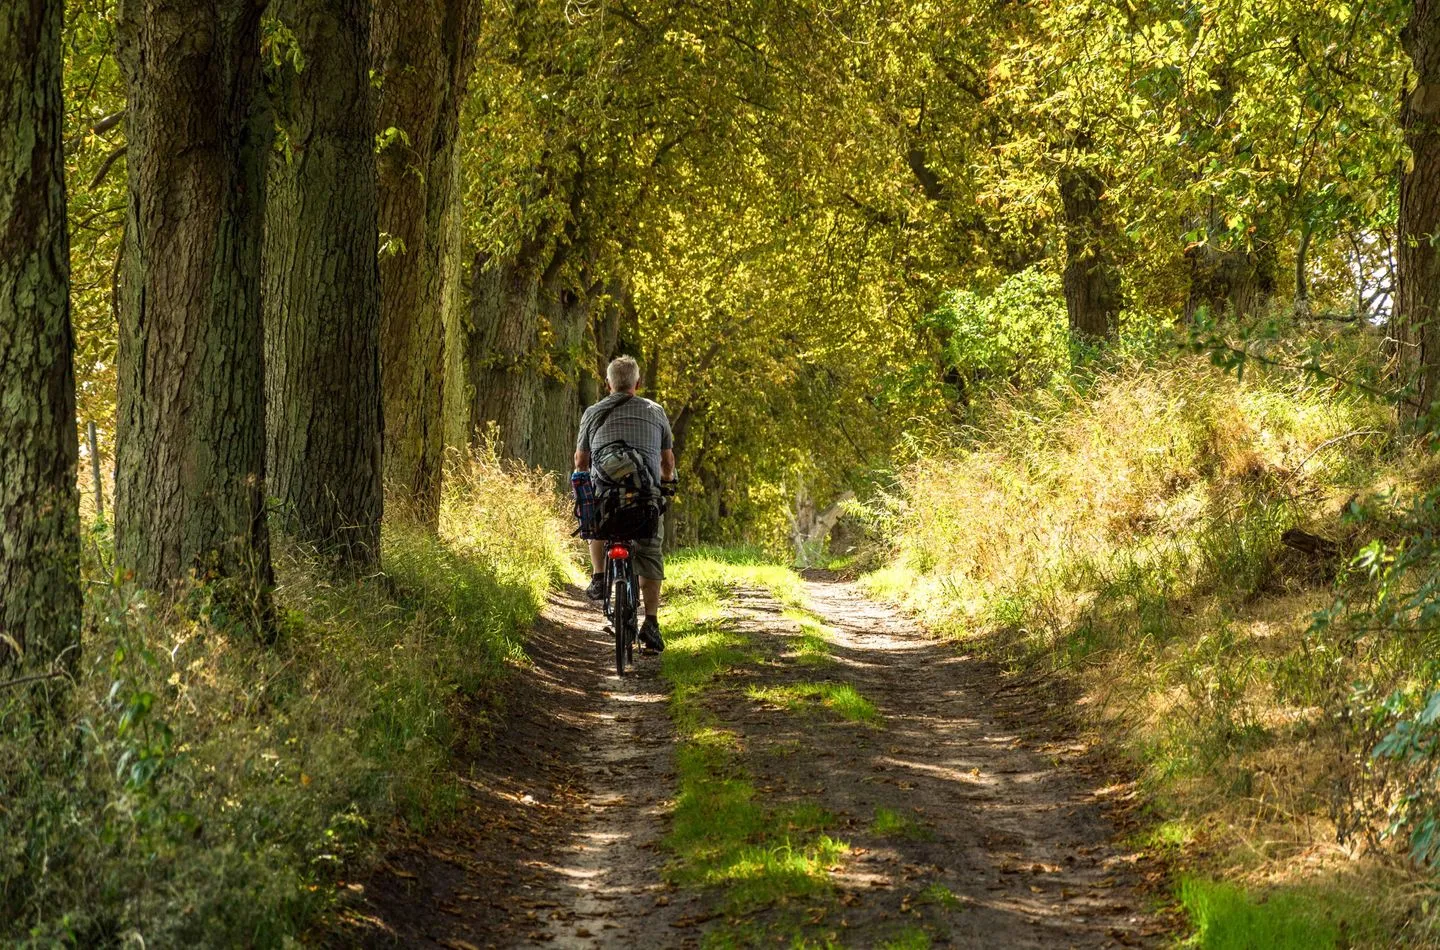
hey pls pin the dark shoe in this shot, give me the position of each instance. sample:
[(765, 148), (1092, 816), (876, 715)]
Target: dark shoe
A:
[(596, 590), (650, 635)]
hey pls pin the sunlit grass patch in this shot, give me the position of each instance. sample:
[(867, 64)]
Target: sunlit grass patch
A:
[(890, 823), (1226, 917), (812, 645), (909, 938), (940, 896), (720, 570), (842, 699)]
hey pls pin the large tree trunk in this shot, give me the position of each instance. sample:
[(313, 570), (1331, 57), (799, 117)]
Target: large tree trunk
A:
[(500, 333), (322, 297), (422, 54), (190, 481), (1092, 284), (39, 540), (556, 419), (1414, 328)]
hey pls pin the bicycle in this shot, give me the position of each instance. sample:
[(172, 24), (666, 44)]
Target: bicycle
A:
[(622, 595)]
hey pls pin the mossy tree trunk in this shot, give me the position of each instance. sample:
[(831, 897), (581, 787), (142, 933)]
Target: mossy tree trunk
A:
[(422, 54), (190, 480), (1092, 284), (322, 296), (1414, 328), (39, 503), (556, 421), (500, 334)]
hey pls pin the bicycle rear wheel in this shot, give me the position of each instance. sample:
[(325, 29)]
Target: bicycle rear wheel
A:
[(622, 618)]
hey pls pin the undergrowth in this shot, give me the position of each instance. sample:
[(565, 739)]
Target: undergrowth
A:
[(1122, 534), (199, 789)]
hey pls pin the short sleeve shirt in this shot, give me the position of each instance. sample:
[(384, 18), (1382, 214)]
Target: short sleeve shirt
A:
[(637, 421)]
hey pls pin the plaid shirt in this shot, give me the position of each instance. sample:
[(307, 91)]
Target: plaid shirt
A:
[(638, 422)]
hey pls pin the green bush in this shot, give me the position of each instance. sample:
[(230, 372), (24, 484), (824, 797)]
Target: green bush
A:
[(1015, 334)]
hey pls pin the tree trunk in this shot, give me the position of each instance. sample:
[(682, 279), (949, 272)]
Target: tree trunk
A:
[(190, 481), (1414, 328), (39, 503), (1230, 282), (322, 297), (556, 419), (422, 55), (500, 334), (1092, 285)]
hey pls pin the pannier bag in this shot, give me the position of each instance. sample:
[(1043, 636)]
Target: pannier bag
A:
[(628, 516), (628, 500)]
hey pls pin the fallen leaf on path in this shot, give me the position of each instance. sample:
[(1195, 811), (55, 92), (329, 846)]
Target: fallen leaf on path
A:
[(453, 943)]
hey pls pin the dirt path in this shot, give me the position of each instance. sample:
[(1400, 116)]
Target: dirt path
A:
[(561, 842)]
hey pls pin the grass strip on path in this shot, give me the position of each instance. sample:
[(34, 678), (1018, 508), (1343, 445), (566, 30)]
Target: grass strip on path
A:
[(724, 835)]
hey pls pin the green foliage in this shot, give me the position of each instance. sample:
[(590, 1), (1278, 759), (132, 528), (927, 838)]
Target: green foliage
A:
[(203, 790), (1014, 335)]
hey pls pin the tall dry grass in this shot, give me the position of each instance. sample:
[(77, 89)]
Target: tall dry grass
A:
[(1122, 534)]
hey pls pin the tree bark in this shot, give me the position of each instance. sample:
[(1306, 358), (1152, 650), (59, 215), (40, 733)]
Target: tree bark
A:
[(190, 481), (422, 55), (1092, 285), (1414, 328), (39, 502), (499, 332), (322, 293), (556, 420)]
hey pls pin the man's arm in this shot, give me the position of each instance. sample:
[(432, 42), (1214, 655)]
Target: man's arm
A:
[(667, 464), (582, 459)]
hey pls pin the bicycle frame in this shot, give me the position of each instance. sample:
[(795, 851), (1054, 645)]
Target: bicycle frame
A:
[(624, 616)]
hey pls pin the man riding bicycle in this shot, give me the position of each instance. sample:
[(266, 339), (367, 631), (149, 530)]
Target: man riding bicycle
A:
[(642, 425)]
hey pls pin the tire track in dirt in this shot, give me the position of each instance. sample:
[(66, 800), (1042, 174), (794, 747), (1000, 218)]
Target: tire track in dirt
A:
[(1017, 833), (560, 841)]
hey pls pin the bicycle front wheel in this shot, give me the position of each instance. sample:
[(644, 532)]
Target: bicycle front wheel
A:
[(621, 619)]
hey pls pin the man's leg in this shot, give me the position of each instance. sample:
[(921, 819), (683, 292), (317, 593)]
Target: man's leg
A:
[(596, 590), (650, 566), (650, 593)]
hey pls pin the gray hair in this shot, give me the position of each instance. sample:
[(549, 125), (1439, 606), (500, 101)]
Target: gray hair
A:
[(623, 373)]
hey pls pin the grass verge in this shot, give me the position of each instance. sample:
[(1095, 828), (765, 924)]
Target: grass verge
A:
[(202, 790), (1140, 536)]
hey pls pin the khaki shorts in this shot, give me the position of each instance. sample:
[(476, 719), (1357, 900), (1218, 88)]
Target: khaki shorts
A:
[(649, 556)]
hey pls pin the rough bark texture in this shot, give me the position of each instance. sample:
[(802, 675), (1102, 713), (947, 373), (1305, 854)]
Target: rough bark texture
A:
[(39, 504), (556, 419), (322, 296), (500, 333), (422, 53), (1092, 284), (1414, 328), (190, 480)]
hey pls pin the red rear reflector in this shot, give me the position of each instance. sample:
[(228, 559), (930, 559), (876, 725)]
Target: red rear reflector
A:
[(619, 553)]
